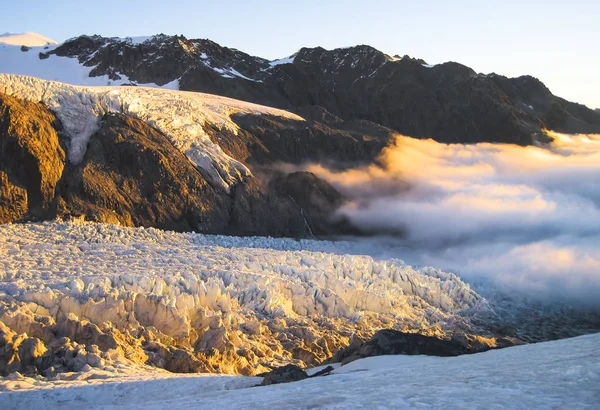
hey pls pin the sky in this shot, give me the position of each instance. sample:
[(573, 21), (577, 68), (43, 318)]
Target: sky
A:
[(555, 41)]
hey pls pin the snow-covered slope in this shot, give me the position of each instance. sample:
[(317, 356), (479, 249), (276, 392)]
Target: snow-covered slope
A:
[(69, 70), (251, 304), (41, 61), (181, 116), (25, 39), (560, 374)]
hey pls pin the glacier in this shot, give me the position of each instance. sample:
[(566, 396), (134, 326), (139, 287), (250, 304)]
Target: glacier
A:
[(239, 304), (181, 116)]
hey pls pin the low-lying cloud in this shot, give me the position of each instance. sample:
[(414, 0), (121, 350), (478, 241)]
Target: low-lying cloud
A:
[(526, 217)]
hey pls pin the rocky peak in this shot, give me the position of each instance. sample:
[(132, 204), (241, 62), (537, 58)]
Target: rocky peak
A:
[(407, 58), (532, 85), (358, 59), (158, 59), (228, 61), (454, 71)]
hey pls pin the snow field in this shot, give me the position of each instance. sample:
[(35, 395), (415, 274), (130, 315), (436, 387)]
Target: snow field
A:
[(558, 374)]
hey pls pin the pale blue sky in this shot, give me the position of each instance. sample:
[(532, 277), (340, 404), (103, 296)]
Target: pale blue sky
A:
[(556, 41)]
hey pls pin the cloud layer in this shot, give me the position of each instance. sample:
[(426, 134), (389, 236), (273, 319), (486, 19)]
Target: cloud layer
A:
[(526, 217)]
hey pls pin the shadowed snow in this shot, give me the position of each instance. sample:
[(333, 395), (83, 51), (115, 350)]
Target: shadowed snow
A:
[(560, 374)]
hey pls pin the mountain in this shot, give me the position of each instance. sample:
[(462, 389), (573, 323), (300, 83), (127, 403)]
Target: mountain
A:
[(25, 39), (447, 102), (172, 160), (93, 300)]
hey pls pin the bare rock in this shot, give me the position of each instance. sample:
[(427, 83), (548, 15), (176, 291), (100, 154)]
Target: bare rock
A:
[(323, 372), (31, 159), (285, 374), (132, 174), (393, 342)]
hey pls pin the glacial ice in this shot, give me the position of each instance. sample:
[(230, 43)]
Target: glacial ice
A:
[(215, 293), (181, 116)]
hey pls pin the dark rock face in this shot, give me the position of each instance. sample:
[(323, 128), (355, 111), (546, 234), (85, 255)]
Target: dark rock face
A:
[(31, 160), (132, 174), (447, 102), (393, 342), (322, 138), (285, 374), (316, 199), (255, 210)]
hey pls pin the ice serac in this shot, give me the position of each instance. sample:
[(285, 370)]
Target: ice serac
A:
[(181, 116), (189, 302)]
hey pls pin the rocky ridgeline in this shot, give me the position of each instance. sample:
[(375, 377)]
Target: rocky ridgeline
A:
[(70, 293), (447, 102)]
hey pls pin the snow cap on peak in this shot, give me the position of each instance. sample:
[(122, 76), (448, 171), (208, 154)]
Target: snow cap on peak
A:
[(25, 39)]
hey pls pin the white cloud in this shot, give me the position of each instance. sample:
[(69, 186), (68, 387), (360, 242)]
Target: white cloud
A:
[(527, 217)]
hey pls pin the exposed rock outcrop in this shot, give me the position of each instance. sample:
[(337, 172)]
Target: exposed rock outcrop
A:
[(316, 200), (133, 175), (321, 138), (31, 159), (285, 374), (393, 342)]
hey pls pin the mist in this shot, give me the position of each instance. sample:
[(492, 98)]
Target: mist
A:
[(527, 218)]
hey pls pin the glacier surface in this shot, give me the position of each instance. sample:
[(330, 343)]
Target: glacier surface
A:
[(246, 304)]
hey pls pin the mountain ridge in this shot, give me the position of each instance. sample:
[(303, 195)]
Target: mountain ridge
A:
[(153, 157), (448, 102)]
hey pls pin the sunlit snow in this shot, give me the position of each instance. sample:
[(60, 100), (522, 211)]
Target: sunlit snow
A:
[(287, 60), (25, 39), (64, 69)]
